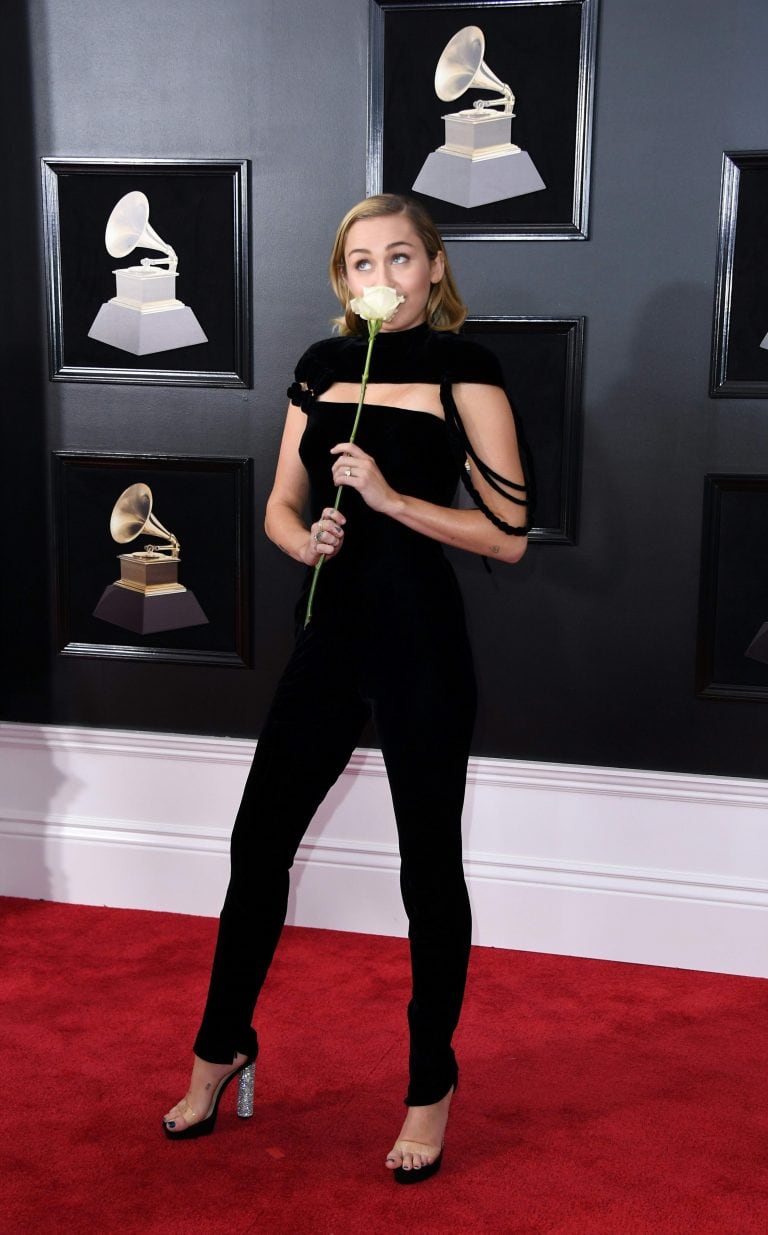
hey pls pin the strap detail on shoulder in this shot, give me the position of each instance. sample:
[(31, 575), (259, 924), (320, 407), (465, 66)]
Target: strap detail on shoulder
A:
[(300, 396), (313, 374), (497, 482)]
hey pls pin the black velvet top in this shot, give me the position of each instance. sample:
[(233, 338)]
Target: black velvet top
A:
[(417, 355), (384, 566), (437, 357)]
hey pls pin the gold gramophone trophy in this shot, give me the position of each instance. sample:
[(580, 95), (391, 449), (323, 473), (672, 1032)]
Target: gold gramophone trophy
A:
[(144, 315), (148, 596), (478, 164)]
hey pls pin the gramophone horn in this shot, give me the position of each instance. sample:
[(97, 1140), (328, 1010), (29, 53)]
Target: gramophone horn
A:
[(128, 228), (132, 515), (461, 66)]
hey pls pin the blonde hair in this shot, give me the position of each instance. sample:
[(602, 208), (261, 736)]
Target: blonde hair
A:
[(445, 309)]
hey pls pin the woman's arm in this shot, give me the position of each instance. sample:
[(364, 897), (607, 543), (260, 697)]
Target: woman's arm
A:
[(284, 520), (490, 427)]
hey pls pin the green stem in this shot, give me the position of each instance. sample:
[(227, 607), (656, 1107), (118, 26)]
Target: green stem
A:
[(373, 329)]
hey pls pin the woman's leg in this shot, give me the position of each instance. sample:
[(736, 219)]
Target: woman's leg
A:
[(312, 728), (425, 738), (311, 731), (425, 731)]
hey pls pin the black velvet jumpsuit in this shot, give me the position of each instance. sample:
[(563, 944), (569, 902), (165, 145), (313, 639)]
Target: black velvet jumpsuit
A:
[(387, 641)]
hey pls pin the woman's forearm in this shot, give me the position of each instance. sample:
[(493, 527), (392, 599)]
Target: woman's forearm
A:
[(286, 528), (462, 529)]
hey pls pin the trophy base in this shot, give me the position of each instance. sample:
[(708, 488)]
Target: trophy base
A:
[(149, 572), (149, 613), (142, 331), (465, 181), (758, 648)]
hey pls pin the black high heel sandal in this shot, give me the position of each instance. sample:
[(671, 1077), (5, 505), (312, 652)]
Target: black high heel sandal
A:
[(417, 1175), (245, 1078)]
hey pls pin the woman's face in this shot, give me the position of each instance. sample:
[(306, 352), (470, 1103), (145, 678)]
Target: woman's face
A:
[(389, 252)]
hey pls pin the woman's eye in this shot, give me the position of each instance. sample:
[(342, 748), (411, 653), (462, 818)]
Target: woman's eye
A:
[(362, 264), (399, 258)]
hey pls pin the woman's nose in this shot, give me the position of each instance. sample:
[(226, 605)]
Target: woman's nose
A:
[(383, 275)]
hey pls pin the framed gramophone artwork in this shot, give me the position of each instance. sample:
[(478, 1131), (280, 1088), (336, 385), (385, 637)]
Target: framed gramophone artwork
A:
[(732, 654), (484, 112), (739, 367), (152, 557), (541, 361), (147, 267)]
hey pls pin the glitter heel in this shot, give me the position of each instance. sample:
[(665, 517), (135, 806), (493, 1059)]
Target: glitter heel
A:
[(245, 1091), (203, 1127)]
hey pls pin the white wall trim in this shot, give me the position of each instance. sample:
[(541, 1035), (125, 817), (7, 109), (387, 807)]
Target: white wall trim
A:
[(656, 867)]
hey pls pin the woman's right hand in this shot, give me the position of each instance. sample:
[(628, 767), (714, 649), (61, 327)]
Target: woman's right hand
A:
[(326, 537)]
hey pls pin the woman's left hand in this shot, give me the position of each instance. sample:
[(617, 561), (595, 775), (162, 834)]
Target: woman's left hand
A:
[(354, 469)]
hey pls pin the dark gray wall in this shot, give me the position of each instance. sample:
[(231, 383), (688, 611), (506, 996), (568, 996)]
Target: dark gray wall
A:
[(585, 654)]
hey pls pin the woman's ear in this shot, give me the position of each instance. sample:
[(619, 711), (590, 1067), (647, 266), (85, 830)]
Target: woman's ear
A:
[(438, 268)]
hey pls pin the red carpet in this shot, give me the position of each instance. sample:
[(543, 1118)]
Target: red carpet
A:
[(596, 1098)]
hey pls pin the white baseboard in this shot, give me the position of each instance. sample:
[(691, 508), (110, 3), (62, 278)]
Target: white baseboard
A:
[(649, 867)]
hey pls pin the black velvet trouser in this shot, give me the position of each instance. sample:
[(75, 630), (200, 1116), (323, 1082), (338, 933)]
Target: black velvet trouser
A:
[(420, 692)]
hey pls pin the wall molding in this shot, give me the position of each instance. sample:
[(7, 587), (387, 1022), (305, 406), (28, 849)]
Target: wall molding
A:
[(651, 867)]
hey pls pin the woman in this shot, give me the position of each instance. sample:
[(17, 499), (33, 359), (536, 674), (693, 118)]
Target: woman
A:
[(386, 640)]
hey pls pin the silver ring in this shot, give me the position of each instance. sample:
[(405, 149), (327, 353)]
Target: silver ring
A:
[(347, 471)]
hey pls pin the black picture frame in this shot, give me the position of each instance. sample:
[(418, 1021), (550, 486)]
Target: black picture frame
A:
[(200, 208), (734, 587), (739, 367), (205, 502), (545, 50), (542, 359)]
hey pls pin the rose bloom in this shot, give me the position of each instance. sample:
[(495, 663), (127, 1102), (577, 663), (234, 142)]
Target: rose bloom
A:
[(377, 304)]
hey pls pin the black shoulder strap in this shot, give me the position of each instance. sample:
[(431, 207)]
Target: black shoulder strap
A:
[(497, 482)]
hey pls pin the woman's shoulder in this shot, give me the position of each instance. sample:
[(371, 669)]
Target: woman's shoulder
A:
[(323, 363), (436, 355), (466, 360), (326, 353)]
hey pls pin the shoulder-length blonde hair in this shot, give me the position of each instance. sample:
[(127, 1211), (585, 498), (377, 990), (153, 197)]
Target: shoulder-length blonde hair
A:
[(445, 308)]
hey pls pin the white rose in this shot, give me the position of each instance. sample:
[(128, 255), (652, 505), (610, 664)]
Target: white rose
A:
[(377, 304)]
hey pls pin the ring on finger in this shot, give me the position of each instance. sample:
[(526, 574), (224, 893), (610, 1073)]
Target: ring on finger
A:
[(318, 535), (347, 471)]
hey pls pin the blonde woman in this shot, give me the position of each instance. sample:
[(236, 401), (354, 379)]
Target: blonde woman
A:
[(387, 642)]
